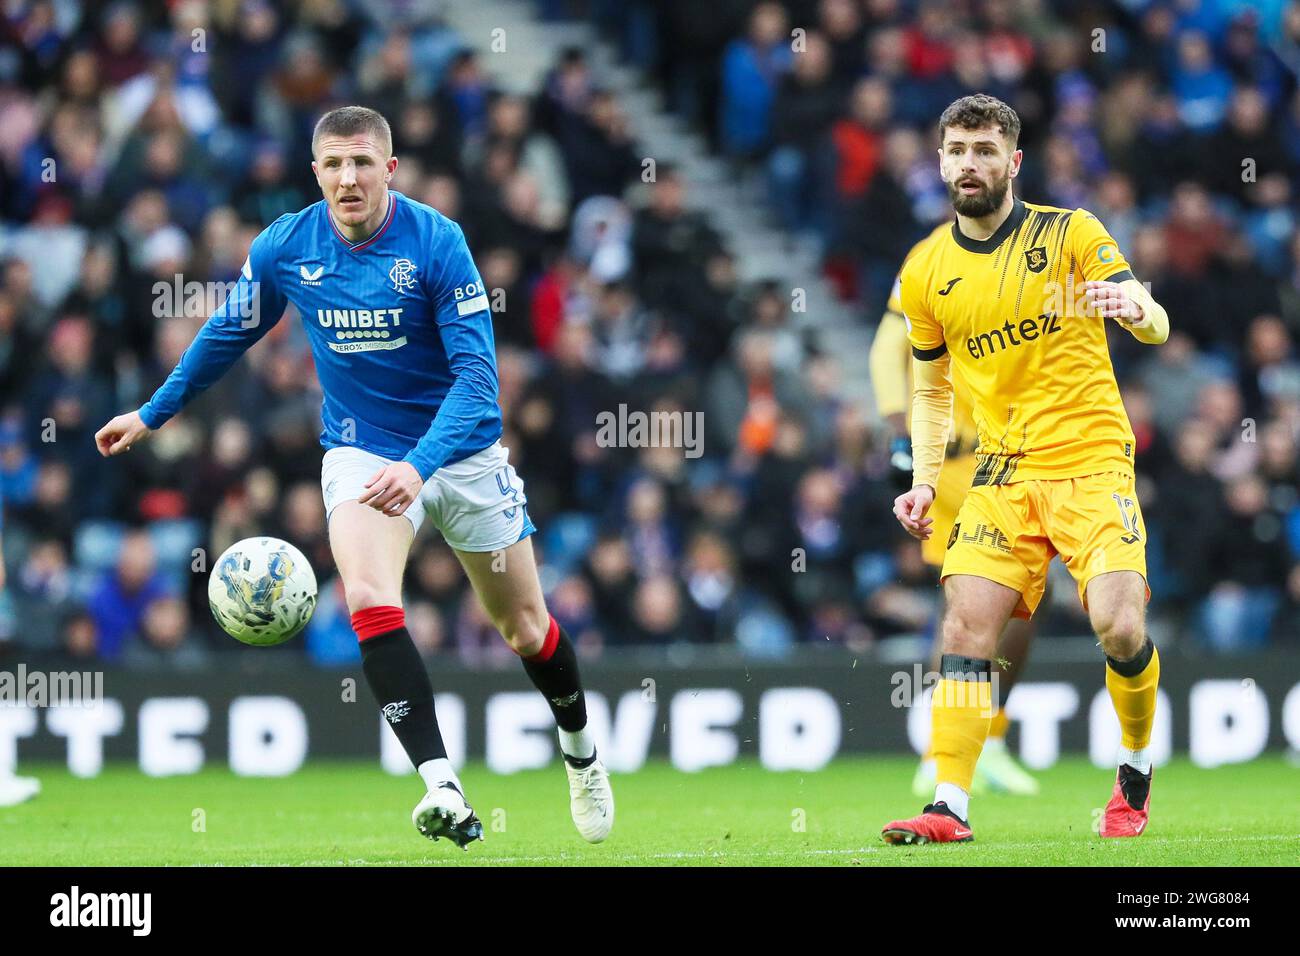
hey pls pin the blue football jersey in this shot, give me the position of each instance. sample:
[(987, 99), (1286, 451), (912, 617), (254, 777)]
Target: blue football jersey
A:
[(399, 325)]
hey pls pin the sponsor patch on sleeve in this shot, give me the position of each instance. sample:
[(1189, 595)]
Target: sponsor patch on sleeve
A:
[(476, 304)]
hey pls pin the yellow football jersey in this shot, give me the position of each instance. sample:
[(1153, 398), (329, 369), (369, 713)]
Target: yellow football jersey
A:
[(1011, 312), (891, 371)]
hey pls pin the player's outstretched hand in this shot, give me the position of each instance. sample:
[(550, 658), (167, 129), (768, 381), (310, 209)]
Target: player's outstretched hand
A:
[(121, 433), (910, 509), (393, 488), (1109, 299)]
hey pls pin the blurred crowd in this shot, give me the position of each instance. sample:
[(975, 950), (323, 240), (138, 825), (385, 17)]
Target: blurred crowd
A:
[(144, 144), (1177, 122)]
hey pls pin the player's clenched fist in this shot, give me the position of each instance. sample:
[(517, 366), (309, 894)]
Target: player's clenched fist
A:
[(393, 488), (120, 434), (910, 509)]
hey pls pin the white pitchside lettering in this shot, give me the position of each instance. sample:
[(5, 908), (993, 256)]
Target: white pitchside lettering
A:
[(268, 736), (85, 728), (520, 731), (1291, 717), (167, 726), (798, 728), (697, 719), (1040, 708), (1228, 723), (623, 743), (16, 720)]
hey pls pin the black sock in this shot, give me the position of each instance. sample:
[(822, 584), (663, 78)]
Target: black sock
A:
[(558, 680), (396, 674), (1136, 664)]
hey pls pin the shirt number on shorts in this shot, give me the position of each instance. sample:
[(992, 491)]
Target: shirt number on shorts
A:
[(1128, 515)]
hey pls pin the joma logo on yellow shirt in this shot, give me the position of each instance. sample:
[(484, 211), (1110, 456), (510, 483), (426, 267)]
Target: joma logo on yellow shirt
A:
[(996, 340)]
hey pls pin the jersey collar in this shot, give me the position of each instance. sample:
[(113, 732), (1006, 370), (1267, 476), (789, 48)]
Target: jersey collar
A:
[(1009, 225), (365, 243)]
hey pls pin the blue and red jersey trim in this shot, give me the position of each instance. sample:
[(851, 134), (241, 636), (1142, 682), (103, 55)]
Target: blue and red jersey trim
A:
[(366, 243)]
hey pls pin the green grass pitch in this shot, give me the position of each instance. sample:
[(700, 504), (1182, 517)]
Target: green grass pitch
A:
[(352, 814)]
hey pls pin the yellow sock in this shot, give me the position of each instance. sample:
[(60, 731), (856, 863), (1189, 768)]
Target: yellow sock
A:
[(999, 724), (959, 718), (1132, 685)]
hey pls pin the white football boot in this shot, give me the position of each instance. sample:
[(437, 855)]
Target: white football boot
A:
[(444, 812), (591, 800), (16, 790)]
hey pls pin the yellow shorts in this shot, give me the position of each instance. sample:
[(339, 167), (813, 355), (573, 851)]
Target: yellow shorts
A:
[(954, 481), (1010, 533)]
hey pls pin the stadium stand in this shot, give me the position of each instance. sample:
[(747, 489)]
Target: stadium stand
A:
[(132, 154)]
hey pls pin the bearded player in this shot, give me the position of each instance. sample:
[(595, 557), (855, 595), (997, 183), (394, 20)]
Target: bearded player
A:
[(1013, 299), (401, 335), (891, 358)]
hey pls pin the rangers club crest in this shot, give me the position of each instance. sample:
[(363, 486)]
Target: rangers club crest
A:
[(1036, 258), (402, 275), (396, 710)]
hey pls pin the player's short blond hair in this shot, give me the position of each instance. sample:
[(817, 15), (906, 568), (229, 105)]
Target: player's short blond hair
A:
[(978, 111), (354, 121)]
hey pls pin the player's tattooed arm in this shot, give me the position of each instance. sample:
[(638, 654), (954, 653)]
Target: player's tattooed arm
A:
[(1129, 303)]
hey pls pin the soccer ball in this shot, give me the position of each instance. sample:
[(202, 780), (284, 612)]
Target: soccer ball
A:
[(262, 591)]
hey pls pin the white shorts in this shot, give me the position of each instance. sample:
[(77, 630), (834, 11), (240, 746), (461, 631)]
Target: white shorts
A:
[(477, 503)]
